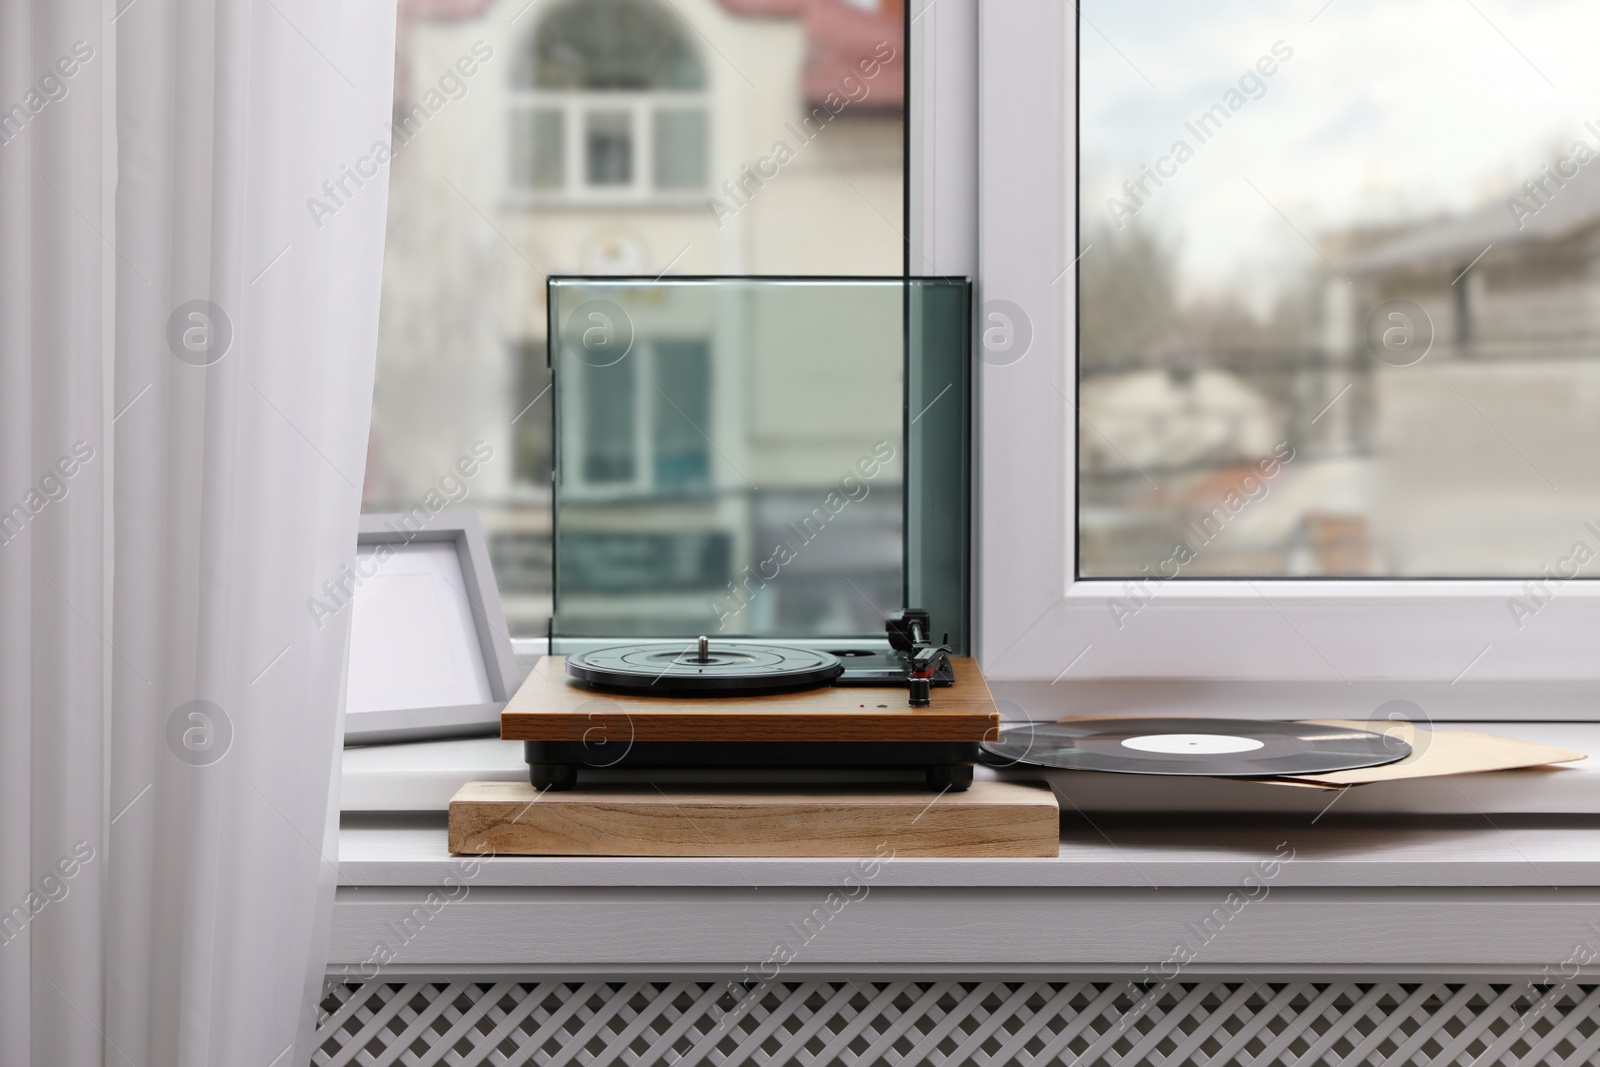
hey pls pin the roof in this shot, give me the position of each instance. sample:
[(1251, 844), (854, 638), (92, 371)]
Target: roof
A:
[(1453, 242), (840, 35)]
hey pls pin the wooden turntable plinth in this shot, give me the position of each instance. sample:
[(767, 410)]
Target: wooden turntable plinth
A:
[(552, 707), (567, 726)]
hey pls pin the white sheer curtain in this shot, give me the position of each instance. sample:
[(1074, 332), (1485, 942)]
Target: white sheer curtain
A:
[(185, 384), (52, 527)]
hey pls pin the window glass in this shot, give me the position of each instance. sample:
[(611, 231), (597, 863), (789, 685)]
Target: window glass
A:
[(683, 390), (612, 44), (680, 147), (607, 430), (634, 137), (1339, 311), (608, 147), (538, 148)]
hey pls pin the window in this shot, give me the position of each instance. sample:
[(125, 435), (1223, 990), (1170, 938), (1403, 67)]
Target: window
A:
[(609, 102), (645, 423), (538, 149), (607, 447), (680, 453), (609, 137), (1374, 355), (1281, 328), (681, 142)]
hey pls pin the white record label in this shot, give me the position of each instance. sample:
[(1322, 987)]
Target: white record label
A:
[(1192, 744)]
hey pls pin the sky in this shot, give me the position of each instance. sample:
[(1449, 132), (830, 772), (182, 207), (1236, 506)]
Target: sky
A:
[(1387, 110)]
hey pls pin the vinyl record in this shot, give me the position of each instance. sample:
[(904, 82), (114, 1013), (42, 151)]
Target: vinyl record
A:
[(1228, 748), (683, 669)]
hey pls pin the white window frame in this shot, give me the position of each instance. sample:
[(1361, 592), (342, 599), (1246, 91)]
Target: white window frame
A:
[(575, 106), (643, 484), (1036, 622)]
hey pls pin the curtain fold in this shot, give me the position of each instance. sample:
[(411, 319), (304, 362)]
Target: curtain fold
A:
[(52, 525), (199, 354)]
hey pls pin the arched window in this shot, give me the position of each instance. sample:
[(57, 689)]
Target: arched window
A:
[(609, 103)]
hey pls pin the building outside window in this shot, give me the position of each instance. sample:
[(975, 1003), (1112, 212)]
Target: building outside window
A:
[(646, 423), (623, 137), (1382, 289), (610, 101)]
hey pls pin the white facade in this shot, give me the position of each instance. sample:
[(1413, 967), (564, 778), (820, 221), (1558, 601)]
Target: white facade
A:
[(463, 318)]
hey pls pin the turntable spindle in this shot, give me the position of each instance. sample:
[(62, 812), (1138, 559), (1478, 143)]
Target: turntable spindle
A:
[(705, 651)]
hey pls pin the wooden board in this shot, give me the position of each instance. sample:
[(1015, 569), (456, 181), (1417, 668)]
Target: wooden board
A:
[(551, 707), (992, 819)]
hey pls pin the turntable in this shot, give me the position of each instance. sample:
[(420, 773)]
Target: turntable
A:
[(659, 704), (748, 473)]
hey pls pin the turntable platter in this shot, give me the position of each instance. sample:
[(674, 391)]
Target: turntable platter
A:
[(697, 669)]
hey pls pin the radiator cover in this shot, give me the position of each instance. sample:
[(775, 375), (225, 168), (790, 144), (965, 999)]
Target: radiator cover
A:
[(826, 1023)]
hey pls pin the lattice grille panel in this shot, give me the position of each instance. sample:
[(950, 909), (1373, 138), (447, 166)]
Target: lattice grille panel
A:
[(826, 1023)]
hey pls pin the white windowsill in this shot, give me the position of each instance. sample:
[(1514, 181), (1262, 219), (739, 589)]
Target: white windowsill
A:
[(1456, 852), (1488, 873)]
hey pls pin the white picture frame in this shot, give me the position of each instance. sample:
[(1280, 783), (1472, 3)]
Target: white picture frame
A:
[(430, 655)]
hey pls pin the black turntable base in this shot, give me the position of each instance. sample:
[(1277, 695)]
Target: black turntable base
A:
[(556, 764)]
